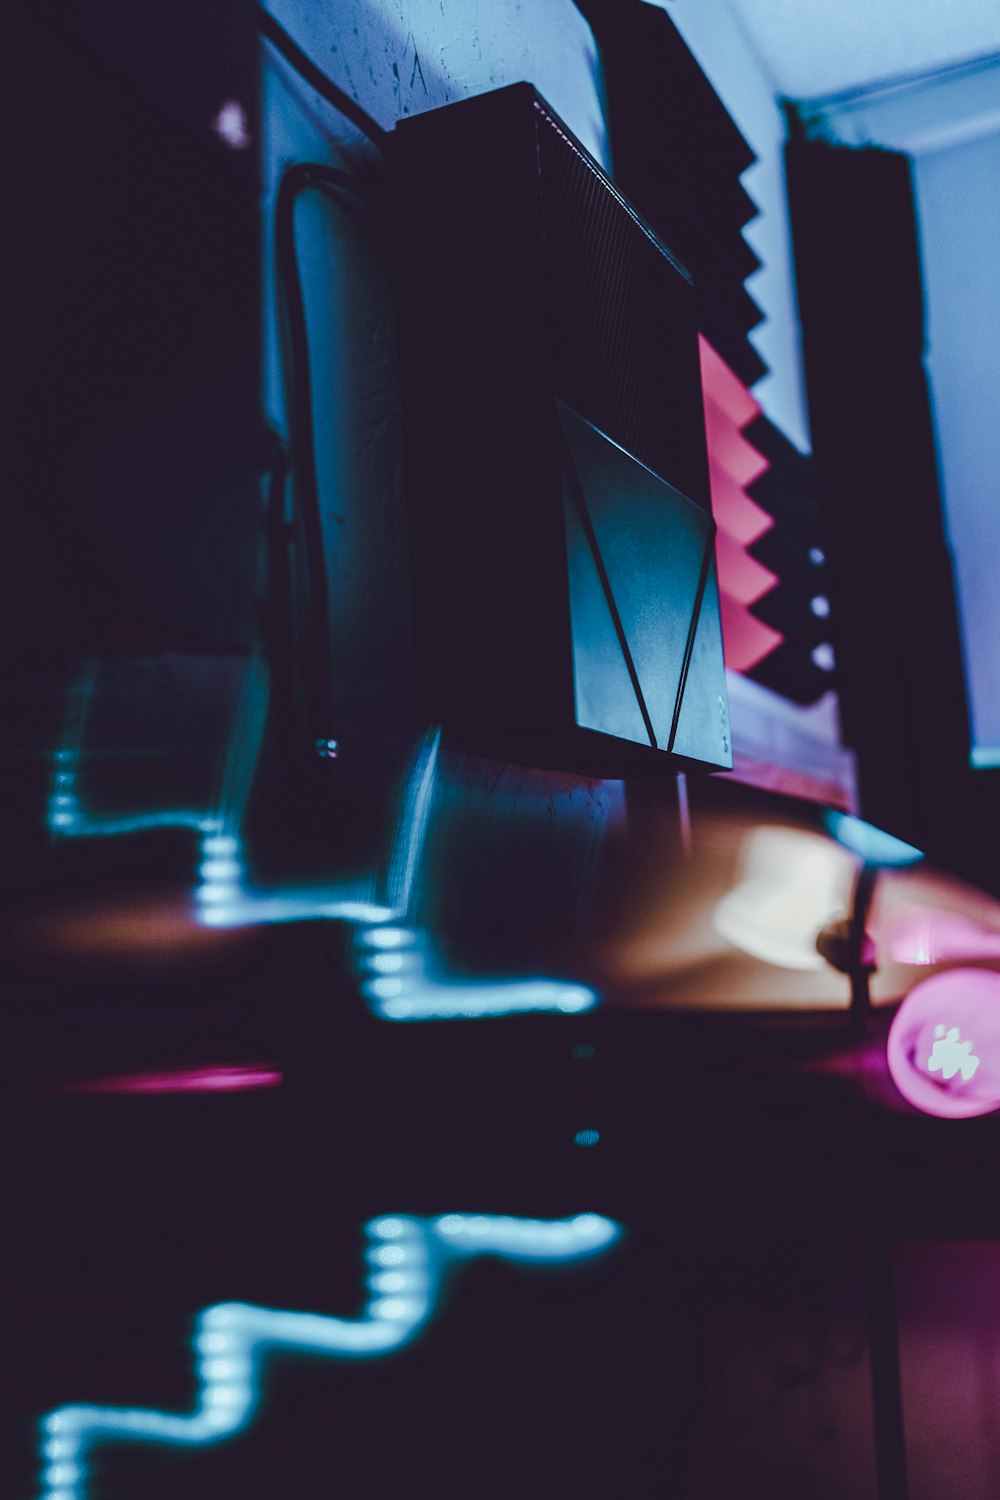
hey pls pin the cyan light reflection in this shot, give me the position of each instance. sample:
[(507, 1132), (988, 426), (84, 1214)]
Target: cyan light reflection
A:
[(875, 846), (412, 822), (408, 1258)]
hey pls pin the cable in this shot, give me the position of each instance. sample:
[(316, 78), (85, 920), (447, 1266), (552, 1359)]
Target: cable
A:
[(883, 1323), (335, 184), (296, 180), (860, 960), (325, 87), (276, 603)]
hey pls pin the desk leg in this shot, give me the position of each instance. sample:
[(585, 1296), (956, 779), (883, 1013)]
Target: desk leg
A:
[(883, 1354)]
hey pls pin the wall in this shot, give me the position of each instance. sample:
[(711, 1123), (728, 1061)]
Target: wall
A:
[(959, 212)]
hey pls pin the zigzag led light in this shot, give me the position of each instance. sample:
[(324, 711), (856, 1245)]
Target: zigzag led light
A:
[(392, 956), (407, 1258), (222, 901), (395, 982), (221, 865), (66, 816), (221, 868), (396, 985)]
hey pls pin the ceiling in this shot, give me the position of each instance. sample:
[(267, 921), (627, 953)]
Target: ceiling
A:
[(814, 48)]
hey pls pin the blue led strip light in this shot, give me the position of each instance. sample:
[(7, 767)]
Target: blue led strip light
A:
[(67, 818), (395, 982), (392, 957), (407, 1260), (221, 854), (223, 904), (221, 866)]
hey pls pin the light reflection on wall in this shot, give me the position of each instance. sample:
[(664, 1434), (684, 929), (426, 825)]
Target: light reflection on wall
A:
[(794, 884), (408, 1259), (732, 927)]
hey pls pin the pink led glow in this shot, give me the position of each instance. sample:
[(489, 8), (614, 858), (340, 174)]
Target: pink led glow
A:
[(181, 1081), (944, 1044), (747, 639), (724, 388), (925, 935), (733, 464), (729, 451), (747, 579), (741, 517)]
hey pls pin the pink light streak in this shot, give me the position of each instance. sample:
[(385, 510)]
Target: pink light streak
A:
[(181, 1081)]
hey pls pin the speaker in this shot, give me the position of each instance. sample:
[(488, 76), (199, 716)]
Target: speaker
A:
[(564, 586)]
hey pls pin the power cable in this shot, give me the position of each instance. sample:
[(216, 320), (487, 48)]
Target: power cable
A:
[(302, 177)]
